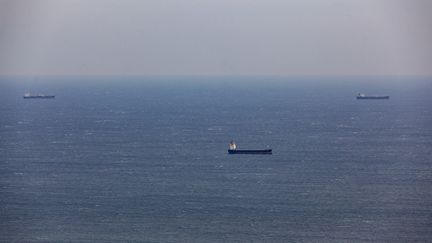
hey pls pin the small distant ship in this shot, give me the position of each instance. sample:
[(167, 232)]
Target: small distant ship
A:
[(361, 96), (233, 150), (38, 96)]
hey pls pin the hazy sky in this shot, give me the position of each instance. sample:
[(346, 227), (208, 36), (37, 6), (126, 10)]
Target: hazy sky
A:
[(216, 37)]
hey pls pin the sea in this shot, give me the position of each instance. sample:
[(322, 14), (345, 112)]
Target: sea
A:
[(144, 159)]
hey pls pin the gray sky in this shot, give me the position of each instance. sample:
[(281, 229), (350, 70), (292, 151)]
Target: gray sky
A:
[(216, 37)]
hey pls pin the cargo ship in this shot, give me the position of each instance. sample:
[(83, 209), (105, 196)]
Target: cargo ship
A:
[(233, 150), (361, 96), (38, 96)]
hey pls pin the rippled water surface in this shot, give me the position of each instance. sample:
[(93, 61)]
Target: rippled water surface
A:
[(145, 159)]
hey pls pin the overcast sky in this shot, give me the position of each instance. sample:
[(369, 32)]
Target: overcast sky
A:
[(216, 37)]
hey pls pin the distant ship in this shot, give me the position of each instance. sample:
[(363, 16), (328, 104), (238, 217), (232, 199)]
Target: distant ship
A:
[(361, 96), (233, 150), (38, 96)]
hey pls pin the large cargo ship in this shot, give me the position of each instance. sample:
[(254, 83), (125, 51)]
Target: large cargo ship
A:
[(233, 150), (38, 96), (361, 96)]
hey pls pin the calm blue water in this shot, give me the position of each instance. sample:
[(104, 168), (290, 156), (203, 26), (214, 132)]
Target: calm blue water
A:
[(144, 159)]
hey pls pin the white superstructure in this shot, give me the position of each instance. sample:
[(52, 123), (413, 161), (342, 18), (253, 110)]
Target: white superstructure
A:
[(232, 146)]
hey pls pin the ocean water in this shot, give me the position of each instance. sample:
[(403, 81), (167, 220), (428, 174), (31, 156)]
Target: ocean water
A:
[(145, 159)]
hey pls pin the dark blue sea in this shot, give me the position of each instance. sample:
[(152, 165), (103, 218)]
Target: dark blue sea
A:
[(144, 159)]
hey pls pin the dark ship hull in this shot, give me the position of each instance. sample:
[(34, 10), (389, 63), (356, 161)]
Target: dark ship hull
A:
[(373, 97), (239, 151), (39, 97)]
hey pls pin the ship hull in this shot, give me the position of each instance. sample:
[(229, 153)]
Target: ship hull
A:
[(40, 97), (373, 97), (238, 151)]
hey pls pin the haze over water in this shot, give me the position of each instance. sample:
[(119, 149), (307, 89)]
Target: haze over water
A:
[(145, 159)]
